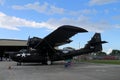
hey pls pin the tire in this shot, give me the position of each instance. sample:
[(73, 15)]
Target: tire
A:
[(49, 62)]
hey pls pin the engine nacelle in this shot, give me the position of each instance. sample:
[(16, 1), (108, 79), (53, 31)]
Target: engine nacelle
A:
[(32, 42)]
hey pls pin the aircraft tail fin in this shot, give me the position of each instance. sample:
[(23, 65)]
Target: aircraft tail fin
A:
[(95, 43)]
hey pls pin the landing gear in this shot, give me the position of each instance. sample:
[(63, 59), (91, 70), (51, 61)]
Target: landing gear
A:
[(49, 62), (18, 63)]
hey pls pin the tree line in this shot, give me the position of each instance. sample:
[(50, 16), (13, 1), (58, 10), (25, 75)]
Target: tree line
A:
[(114, 52)]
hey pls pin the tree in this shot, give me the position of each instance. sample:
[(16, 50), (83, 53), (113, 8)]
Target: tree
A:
[(101, 54), (115, 53)]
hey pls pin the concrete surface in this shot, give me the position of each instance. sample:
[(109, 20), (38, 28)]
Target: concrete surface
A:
[(79, 71)]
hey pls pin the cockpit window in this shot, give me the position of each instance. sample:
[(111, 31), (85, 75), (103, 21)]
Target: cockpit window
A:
[(23, 50)]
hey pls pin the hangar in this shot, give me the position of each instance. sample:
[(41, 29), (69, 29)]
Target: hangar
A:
[(11, 45)]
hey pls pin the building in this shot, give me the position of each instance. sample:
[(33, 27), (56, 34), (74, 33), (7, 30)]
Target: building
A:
[(11, 45)]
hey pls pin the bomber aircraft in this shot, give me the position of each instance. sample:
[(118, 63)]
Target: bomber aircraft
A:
[(44, 50)]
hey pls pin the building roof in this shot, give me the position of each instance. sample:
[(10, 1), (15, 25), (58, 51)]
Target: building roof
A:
[(13, 42)]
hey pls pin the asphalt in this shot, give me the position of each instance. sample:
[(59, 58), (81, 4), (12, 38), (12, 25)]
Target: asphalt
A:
[(57, 71)]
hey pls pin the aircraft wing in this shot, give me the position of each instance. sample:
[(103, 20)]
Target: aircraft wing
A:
[(59, 36)]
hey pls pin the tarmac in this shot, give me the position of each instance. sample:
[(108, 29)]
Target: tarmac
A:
[(57, 71)]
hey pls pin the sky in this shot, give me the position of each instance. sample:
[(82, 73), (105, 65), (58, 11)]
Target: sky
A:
[(22, 18)]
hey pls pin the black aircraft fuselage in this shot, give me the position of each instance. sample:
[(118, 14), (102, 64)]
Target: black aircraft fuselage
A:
[(44, 51)]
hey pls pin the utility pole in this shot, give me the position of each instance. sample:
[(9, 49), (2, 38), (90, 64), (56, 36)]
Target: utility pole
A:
[(79, 45)]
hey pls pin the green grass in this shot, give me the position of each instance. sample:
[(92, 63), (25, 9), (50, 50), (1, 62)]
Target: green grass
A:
[(104, 61)]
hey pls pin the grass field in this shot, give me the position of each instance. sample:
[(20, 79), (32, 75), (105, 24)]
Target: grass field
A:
[(104, 61)]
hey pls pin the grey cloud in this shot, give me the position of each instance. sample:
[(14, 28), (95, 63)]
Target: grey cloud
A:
[(52, 9), (41, 8), (101, 2), (2, 2), (83, 22), (14, 23)]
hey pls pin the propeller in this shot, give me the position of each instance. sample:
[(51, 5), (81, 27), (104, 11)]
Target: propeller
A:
[(28, 42)]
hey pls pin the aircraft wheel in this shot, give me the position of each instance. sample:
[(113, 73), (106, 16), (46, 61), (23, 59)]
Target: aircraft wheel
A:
[(49, 62)]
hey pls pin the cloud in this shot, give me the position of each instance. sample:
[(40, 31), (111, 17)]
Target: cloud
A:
[(109, 51), (13, 23), (81, 21), (51, 9), (117, 17), (2, 2), (101, 2), (106, 11), (41, 8), (83, 11), (117, 26)]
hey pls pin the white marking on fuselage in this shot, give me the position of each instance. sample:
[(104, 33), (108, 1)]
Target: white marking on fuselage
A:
[(18, 54), (23, 55), (28, 54)]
